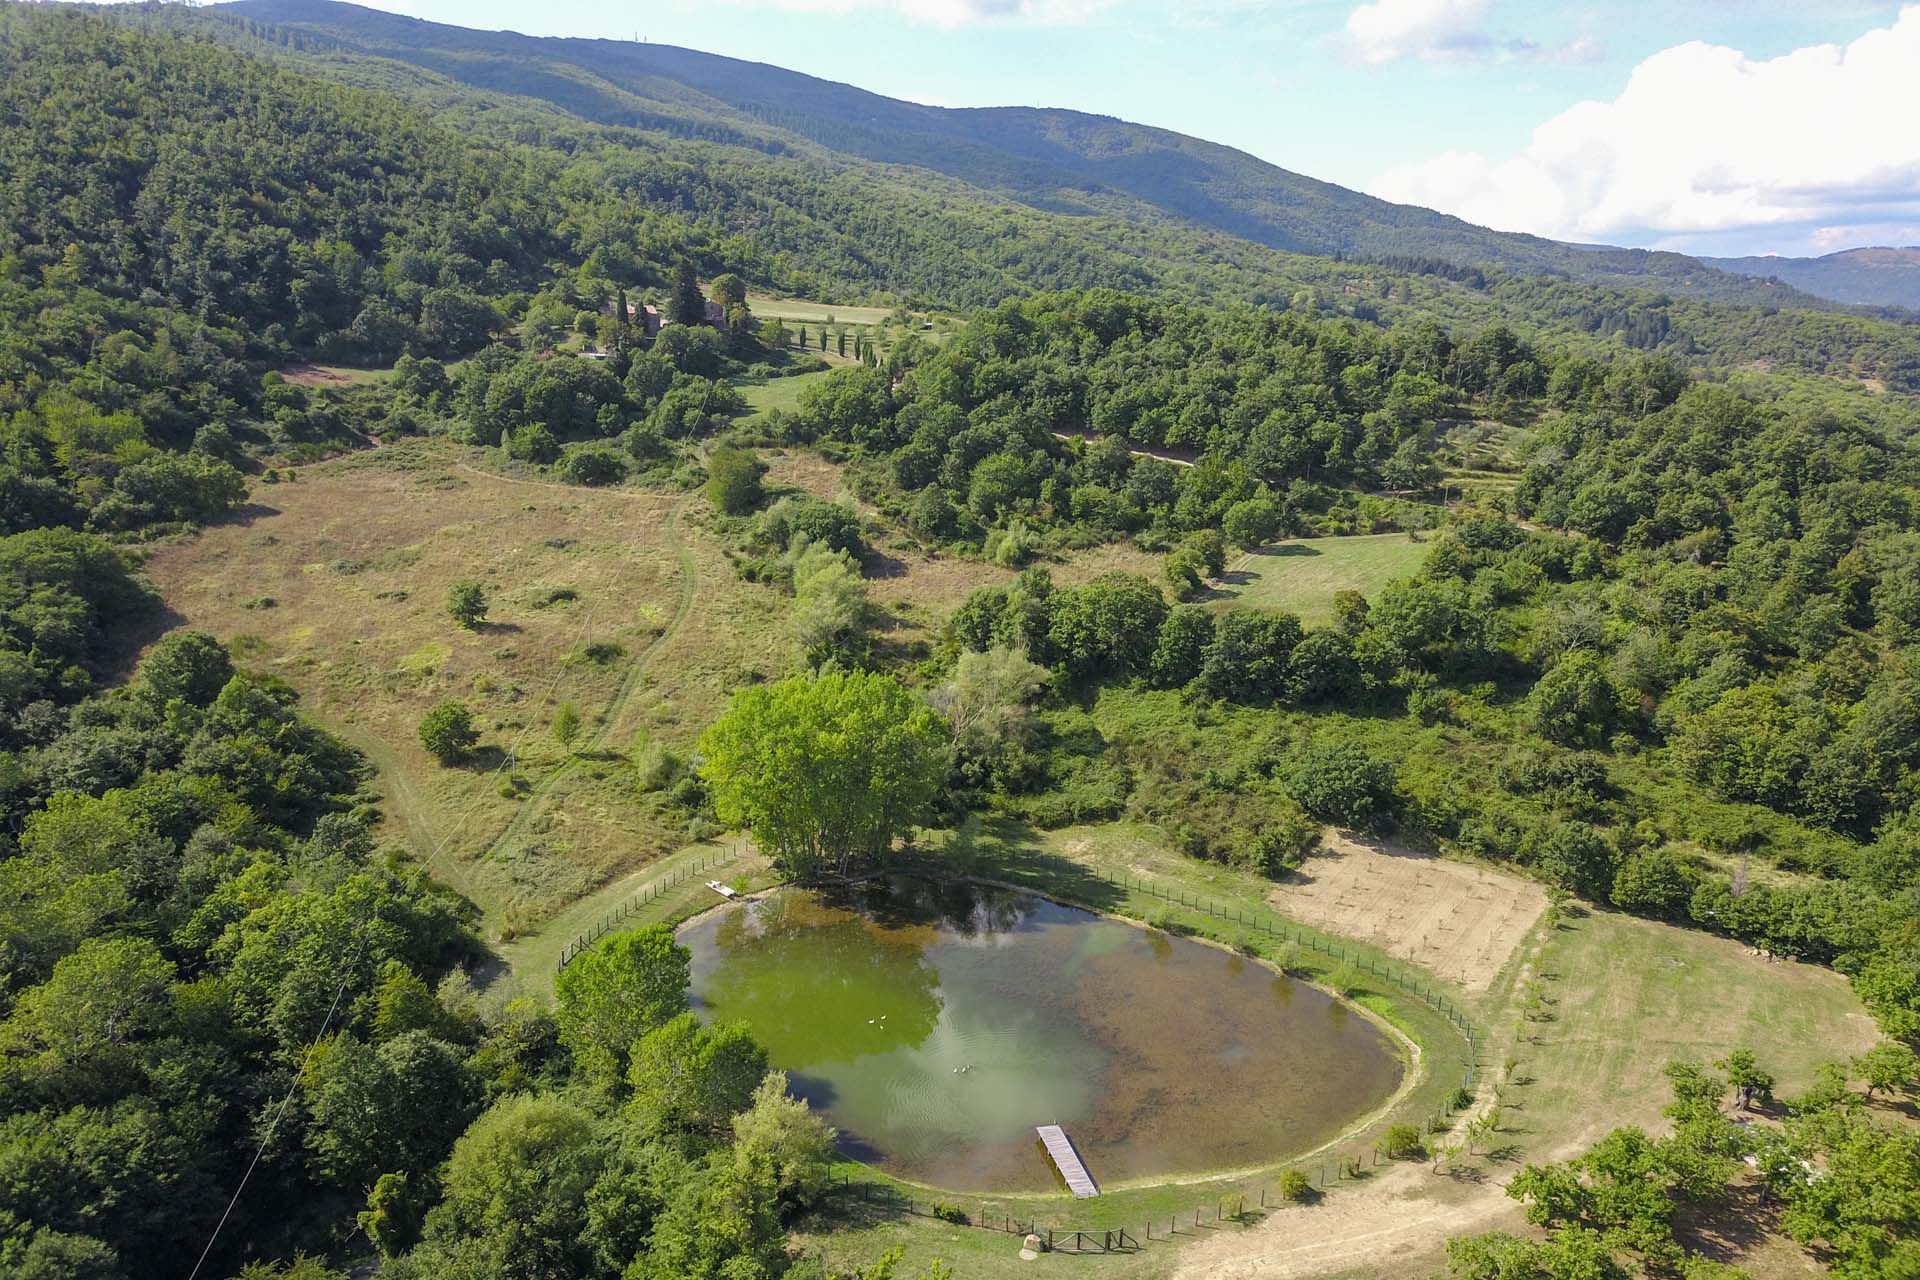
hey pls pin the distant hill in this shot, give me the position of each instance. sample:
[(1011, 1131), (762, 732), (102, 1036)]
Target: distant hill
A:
[(1881, 277), (1061, 161)]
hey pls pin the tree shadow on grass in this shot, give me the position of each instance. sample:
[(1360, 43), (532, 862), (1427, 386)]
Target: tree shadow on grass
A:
[(1009, 851), (877, 565), (484, 759), (856, 1206), (131, 637), (247, 512), (1729, 1230)]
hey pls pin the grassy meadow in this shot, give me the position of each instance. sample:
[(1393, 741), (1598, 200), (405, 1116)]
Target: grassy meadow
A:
[(1302, 576), (613, 600), (799, 309), (776, 393)]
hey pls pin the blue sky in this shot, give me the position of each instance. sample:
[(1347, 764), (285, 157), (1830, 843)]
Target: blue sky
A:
[(1713, 126)]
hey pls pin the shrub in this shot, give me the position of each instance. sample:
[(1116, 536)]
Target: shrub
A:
[(1295, 1186), (592, 465), (733, 480), (1345, 784), (823, 523), (1253, 522), (655, 766), (1185, 572), (1576, 703), (1345, 979), (1401, 1142), (1652, 883), (1212, 550), (1012, 546), (951, 1213), (467, 602), (447, 732), (532, 443)]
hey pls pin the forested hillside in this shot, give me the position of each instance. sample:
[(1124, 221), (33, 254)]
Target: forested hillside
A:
[(1884, 277), (780, 208), (1050, 159)]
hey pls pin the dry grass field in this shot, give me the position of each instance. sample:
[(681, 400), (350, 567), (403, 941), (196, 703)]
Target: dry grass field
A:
[(800, 309), (1459, 921), (610, 599)]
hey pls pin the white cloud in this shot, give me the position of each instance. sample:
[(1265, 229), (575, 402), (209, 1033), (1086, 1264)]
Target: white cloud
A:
[(956, 13), (1704, 143), (1388, 30)]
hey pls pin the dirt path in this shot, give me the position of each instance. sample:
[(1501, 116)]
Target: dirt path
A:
[(1395, 1226), (1161, 455), (636, 670)]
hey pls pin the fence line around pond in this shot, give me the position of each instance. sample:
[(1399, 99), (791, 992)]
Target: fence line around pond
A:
[(1117, 1239), (639, 901)]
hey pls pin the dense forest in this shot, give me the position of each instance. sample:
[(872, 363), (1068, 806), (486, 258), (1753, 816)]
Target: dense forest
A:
[(1674, 671), (825, 226), (1047, 159)]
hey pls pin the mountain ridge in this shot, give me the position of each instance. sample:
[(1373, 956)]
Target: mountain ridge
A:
[(1051, 158), (1873, 275)]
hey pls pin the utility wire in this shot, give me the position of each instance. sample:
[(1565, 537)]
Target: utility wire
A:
[(347, 975)]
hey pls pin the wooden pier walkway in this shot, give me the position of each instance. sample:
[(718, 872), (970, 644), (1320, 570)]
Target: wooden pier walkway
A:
[(1060, 1147)]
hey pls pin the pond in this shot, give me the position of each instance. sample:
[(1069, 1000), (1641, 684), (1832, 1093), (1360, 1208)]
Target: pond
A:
[(935, 1024)]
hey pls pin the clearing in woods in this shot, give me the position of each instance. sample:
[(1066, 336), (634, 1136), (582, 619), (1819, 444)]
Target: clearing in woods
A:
[(615, 600), (917, 587), (776, 393), (1302, 576), (1454, 919), (815, 312)]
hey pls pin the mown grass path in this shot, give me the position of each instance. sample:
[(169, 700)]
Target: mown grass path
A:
[(689, 579)]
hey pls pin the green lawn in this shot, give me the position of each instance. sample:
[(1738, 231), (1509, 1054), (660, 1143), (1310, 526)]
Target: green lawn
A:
[(1301, 576), (1630, 995), (777, 393)]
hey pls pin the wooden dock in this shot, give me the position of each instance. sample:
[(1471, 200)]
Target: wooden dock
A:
[(1060, 1147)]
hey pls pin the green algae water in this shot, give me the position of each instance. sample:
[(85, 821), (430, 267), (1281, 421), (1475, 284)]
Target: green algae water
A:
[(935, 1024)]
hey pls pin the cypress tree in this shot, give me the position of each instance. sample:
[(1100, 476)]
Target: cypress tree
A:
[(688, 307)]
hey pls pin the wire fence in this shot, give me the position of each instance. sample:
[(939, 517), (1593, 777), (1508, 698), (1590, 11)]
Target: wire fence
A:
[(1301, 1183), (642, 900), (1276, 927)]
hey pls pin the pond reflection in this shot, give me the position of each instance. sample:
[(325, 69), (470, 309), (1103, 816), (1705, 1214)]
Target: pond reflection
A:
[(935, 1023)]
